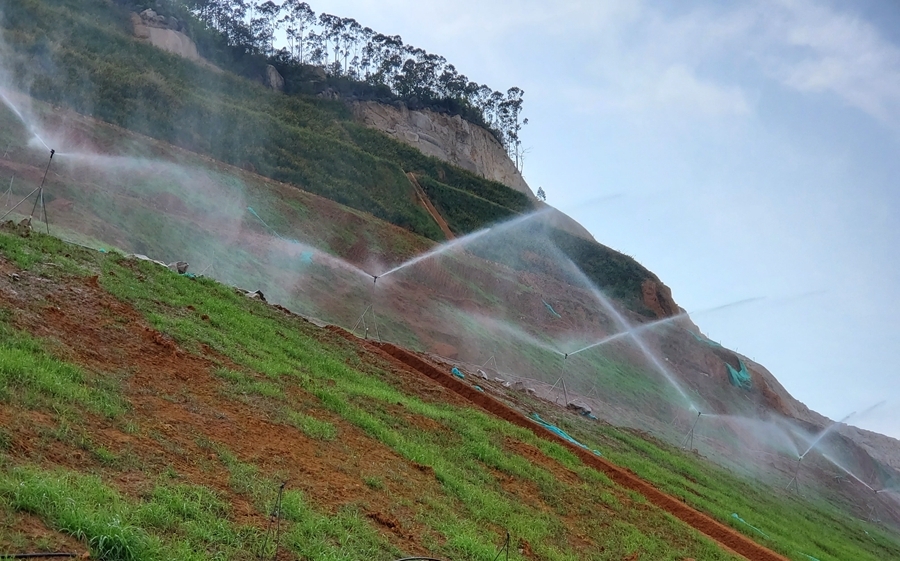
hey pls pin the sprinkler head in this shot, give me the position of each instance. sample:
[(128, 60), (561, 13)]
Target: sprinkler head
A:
[(374, 279), (52, 151), (566, 357), (699, 413)]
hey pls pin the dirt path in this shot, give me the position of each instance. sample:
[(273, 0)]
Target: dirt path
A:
[(426, 202), (726, 537)]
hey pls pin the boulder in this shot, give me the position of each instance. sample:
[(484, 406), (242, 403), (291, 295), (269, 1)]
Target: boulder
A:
[(274, 80), (179, 267), (24, 228), (579, 408)]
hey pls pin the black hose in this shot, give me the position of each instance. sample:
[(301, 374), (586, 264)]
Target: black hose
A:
[(418, 559)]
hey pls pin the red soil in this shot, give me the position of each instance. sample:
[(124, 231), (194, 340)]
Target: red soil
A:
[(728, 538)]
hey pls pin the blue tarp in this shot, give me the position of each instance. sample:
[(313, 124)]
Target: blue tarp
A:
[(455, 371), (552, 311), (563, 434), (741, 520)]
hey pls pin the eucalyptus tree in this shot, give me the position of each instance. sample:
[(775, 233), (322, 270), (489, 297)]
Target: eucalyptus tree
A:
[(511, 121)]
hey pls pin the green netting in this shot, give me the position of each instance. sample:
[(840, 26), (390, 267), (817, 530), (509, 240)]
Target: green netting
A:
[(739, 378)]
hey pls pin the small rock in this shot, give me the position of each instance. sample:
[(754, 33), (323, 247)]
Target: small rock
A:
[(179, 267), (24, 228)]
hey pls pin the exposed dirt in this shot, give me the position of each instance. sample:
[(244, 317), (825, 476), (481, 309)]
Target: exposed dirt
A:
[(426, 202), (725, 536), (182, 408)]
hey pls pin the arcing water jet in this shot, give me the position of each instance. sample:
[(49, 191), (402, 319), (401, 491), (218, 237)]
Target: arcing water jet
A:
[(463, 241), (824, 433), (664, 321), (26, 122), (623, 324)]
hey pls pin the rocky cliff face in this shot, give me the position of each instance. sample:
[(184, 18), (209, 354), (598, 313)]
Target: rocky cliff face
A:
[(164, 33), (451, 139), (455, 140)]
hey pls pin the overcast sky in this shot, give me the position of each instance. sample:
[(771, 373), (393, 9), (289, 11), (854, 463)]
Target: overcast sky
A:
[(754, 146)]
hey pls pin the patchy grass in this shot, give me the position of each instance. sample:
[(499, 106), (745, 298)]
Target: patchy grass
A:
[(292, 374)]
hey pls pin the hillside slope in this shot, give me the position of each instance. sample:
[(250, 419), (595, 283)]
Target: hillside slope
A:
[(522, 297), (168, 411)]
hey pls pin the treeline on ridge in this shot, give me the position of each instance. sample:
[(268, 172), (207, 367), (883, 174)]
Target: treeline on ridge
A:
[(328, 52)]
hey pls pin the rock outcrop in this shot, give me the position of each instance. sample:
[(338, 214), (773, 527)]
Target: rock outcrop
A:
[(451, 139), (274, 80), (167, 33), (459, 142), (658, 298)]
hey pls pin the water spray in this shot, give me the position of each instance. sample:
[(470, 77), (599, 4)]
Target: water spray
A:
[(465, 240), (660, 322), (824, 433)]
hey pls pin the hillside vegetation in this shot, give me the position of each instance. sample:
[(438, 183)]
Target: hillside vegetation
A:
[(147, 415), (80, 54)]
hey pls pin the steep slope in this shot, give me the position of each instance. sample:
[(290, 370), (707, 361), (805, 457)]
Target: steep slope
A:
[(169, 411), (514, 296)]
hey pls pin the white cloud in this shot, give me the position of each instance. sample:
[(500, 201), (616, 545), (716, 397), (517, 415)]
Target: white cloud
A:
[(841, 54), (678, 86)]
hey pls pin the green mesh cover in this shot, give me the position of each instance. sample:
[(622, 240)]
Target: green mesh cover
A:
[(739, 378)]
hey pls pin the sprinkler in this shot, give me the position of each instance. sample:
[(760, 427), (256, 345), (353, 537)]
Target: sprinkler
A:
[(795, 481), (39, 198), (689, 437), (374, 279)]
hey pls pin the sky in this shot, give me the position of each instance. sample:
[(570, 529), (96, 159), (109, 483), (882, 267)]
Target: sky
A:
[(752, 148)]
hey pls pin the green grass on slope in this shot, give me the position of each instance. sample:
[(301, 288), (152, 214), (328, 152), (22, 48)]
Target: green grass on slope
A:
[(255, 337), (468, 451), (463, 211), (794, 526), (463, 517), (78, 53)]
